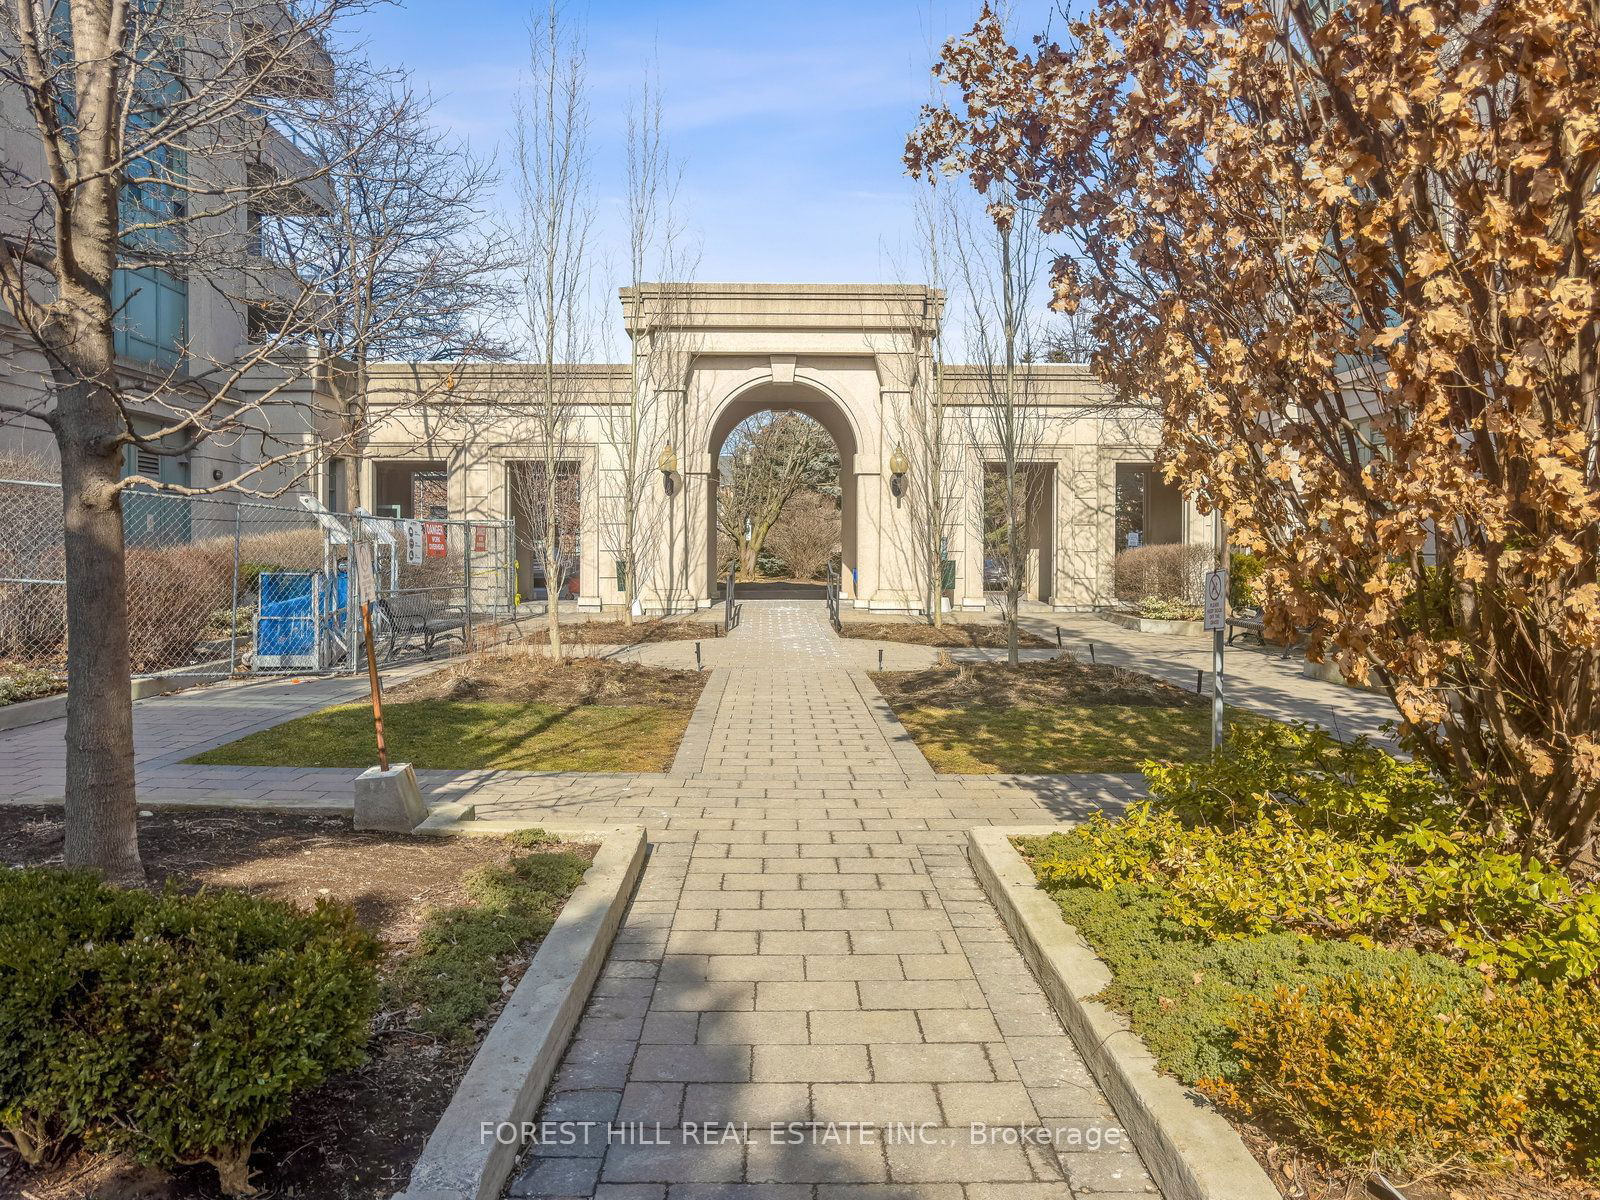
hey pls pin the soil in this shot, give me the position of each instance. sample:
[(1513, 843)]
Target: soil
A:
[(620, 633), (954, 636), (529, 676), (1062, 680), (356, 1137)]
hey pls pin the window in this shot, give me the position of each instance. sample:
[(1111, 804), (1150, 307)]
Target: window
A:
[(334, 475), (152, 315)]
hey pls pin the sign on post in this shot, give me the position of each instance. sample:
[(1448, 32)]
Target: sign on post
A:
[(366, 573), (1216, 601), (1216, 623), (435, 539), (413, 532)]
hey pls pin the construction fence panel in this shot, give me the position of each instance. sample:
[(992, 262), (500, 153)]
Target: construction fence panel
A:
[(218, 586)]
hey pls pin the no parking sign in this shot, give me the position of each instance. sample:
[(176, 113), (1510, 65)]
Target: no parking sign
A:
[(1216, 601)]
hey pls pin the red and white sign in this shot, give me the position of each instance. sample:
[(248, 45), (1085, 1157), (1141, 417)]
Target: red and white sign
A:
[(434, 539), (480, 539)]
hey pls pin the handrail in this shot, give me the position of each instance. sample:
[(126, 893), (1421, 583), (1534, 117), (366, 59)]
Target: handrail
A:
[(730, 614), (833, 599)]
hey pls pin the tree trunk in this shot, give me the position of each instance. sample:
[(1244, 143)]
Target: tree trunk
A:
[(102, 830)]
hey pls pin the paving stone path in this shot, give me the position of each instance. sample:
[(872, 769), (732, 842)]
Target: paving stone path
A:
[(810, 997)]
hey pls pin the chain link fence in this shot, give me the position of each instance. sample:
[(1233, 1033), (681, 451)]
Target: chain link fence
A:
[(218, 586)]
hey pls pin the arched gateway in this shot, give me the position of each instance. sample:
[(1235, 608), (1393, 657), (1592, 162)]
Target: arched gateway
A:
[(857, 358)]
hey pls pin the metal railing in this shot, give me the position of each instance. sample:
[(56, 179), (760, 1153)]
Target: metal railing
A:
[(833, 598), (730, 611)]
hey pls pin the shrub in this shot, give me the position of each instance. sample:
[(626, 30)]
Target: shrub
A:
[(455, 973), (1167, 572), (172, 593), (1157, 608), (19, 683), (1411, 1076), (1352, 844), (1386, 1071), (1244, 580), (170, 1027)]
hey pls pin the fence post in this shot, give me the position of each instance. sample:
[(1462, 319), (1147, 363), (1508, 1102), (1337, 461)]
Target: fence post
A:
[(233, 613), (466, 559)]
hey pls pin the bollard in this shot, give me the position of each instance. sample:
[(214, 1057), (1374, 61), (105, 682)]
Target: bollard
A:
[(1058, 637), (1199, 676), (880, 659), (697, 665), (1091, 652)]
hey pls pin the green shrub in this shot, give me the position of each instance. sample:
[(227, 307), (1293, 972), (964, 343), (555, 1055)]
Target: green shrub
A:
[(454, 974), (19, 683), (170, 1027), (1244, 575), (1159, 608)]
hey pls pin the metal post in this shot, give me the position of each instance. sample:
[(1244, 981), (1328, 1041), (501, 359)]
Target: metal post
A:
[(466, 558), (1217, 644), (372, 682), (233, 613)]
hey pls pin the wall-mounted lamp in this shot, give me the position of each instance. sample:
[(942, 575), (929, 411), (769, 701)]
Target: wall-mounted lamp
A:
[(898, 466), (668, 465)]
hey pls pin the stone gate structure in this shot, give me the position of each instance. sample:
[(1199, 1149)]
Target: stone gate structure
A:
[(857, 358)]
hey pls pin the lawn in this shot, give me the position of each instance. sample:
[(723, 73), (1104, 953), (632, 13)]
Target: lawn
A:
[(458, 919), (515, 712), (1046, 718)]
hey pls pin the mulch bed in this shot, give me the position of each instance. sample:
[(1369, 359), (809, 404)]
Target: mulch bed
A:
[(1062, 680), (356, 1137), (523, 677), (948, 635), (620, 633)]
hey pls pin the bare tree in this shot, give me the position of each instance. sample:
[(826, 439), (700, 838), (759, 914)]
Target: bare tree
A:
[(556, 215), (149, 134), (772, 459), (919, 418), (806, 536), (400, 243), (1000, 263), (657, 245)]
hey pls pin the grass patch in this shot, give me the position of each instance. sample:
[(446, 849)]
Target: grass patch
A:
[(456, 972), (19, 683), (1056, 739), (1047, 718), (468, 735)]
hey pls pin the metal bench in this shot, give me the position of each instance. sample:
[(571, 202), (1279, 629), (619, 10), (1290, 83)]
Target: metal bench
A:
[(1247, 621), (424, 615)]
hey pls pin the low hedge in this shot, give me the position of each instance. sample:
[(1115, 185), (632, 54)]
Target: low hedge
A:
[(173, 1028), (1317, 935)]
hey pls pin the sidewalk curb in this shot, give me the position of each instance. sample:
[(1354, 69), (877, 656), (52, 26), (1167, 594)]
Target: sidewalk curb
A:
[(1188, 1147), (519, 1056)]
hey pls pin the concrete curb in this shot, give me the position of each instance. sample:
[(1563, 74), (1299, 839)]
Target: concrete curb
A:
[(1189, 1148), (51, 708), (508, 1077), (1150, 625)]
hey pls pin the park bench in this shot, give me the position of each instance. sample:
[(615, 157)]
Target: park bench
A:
[(1249, 621), (422, 614)]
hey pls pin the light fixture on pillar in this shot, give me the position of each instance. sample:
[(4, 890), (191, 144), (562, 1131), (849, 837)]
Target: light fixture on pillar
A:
[(668, 464), (898, 466)]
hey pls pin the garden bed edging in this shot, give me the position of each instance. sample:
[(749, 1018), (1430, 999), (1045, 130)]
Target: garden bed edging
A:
[(1146, 625), (519, 1055), (1189, 1148)]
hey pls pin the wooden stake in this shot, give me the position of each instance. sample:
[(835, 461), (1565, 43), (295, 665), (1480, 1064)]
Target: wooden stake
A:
[(372, 679)]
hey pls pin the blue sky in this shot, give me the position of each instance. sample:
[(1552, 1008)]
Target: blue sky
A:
[(790, 117)]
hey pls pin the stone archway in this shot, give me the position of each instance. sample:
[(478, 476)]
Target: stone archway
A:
[(812, 401)]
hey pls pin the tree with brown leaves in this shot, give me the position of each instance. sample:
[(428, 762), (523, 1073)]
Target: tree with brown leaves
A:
[(1351, 250)]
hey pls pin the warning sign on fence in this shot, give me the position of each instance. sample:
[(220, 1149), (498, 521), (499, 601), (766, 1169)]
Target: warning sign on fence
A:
[(480, 539), (435, 539), (413, 532)]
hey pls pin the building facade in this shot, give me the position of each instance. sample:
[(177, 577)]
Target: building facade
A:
[(856, 358)]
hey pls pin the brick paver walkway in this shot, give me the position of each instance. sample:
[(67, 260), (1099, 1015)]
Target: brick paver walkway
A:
[(810, 996)]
